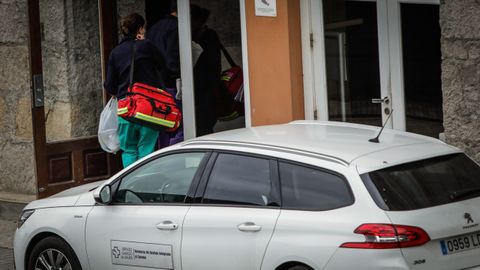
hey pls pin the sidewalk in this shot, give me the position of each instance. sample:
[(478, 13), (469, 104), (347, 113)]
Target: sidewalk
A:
[(6, 259), (11, 206), (7, 230)]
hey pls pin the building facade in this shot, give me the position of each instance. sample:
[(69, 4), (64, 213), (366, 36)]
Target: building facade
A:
[(413, 62)]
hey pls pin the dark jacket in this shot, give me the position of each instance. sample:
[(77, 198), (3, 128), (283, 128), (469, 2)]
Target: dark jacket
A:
[(207, 73), (164, 34), (148, 63)]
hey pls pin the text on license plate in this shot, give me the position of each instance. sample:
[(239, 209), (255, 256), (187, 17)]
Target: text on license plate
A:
[(460, 243)]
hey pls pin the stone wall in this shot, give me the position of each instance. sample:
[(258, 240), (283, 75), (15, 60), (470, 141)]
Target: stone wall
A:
[(71, 67), (55, 65), (85, 81), (460, 25), (16, 140)]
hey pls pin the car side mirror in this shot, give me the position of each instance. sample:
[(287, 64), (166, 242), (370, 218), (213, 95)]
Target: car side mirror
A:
[(104, 196)]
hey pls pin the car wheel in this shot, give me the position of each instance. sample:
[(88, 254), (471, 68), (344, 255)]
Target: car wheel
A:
[(300, 267), (53, 253)]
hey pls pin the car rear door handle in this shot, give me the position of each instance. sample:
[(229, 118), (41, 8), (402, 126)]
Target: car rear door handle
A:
[(249, 227), (167, 226)]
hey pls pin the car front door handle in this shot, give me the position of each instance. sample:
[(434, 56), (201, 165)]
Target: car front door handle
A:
[(249, 227), (167, 226)]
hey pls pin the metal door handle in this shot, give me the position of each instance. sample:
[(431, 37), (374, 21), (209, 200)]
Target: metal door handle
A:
[(249, 227), (167, 226), (385, 100)]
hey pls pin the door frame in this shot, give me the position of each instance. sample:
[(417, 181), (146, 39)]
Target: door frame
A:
[(60, 165), (390, 58), (186, 68)]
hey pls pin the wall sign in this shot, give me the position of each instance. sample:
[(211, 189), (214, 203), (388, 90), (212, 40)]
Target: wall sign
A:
[(266, 8)]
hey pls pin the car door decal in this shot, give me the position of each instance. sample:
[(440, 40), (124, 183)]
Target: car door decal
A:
[(141, 254)]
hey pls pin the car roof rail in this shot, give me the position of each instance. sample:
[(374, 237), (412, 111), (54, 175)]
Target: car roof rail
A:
[(264, 146)]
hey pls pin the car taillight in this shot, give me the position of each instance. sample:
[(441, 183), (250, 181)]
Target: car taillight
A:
[(383, 236)]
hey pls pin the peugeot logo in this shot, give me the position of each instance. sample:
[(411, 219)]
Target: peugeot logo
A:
[(468, 217)]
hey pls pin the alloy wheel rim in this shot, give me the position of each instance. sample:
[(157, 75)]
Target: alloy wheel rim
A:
[(52, 259)]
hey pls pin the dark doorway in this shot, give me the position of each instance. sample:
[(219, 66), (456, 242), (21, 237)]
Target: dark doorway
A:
[(210, 63), (220, 66), (422, 68)]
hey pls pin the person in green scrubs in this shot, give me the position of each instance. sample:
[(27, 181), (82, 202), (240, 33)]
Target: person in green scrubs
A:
[(136, 140)]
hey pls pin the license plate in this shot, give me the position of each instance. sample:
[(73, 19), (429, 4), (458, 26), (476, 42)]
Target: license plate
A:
[(460, 243)]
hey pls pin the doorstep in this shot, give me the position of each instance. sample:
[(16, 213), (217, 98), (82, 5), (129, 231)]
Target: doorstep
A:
[(16, 197)]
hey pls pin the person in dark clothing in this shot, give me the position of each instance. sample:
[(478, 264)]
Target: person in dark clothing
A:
[(164, 34), (136, 141), (207, 70)]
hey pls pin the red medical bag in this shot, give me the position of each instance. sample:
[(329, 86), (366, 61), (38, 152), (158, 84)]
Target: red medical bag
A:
[(150, 106)]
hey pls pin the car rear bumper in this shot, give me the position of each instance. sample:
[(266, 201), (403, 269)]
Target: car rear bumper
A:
[(367, 259)]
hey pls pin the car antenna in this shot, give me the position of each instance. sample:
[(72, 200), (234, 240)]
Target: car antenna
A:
[(375, 140)]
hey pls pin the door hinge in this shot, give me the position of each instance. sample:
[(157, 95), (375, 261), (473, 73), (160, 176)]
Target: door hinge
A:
[(38, 95), (315, 114), (311, 40)]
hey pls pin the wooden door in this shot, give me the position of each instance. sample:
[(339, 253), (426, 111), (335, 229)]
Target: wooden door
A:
[(62, 164)]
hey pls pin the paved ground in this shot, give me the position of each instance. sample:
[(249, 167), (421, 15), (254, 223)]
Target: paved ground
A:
[(6, 259), (7, 230), (9, 212)]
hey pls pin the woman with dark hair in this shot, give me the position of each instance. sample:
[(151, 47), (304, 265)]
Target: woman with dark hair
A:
[(136, 141)]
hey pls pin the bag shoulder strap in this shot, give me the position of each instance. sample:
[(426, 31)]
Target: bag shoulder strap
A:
[(228, 56), (132, 65)]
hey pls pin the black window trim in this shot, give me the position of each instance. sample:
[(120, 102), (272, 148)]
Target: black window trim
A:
[(115, 184), (198, 201), (373, 191), (313, 167)]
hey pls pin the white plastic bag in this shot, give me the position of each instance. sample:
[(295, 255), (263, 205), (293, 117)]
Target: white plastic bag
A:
[(107, 128)]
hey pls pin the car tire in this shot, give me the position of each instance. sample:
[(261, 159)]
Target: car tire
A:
[(300, 267), (53, 252)]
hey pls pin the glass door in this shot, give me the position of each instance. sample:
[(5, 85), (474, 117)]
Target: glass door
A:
[(383, 57), (352, 56)]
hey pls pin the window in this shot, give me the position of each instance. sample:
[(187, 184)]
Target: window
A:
[(163, 180), (304, 188), (425, 183), (241, 180)]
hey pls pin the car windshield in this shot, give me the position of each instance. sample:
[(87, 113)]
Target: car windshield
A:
[(425, 183)]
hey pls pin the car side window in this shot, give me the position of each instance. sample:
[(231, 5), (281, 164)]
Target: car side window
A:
[(304, 188), (163, 180), (240, 180)]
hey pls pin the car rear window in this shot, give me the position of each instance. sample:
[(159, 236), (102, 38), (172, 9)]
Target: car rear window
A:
[(425, 183)]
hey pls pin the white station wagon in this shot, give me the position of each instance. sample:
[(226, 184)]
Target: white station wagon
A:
[(305, 195)]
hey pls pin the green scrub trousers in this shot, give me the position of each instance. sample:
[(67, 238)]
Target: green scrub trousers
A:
[(136, 141)]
